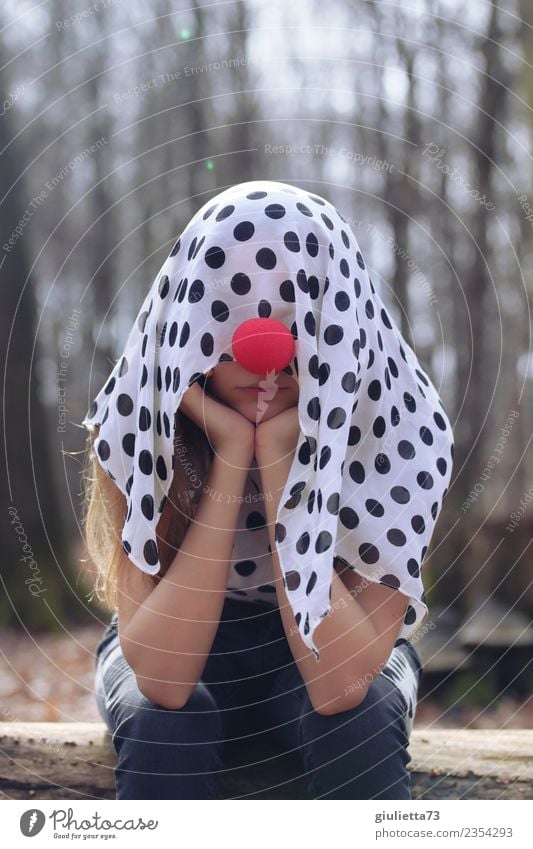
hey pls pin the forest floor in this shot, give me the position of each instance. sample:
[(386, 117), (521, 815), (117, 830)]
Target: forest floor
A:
[(53, 681)]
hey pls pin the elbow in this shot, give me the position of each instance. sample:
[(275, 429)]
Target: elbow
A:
[(168, 696), (330, 706), (172, 695)]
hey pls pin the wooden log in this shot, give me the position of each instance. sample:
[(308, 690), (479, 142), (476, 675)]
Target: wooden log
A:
[(47, 760)]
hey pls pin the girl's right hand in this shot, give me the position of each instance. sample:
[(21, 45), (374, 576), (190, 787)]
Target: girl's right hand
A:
[(224, 427)]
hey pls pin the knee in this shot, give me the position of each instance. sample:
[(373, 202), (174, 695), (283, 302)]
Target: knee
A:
[(360, 753)]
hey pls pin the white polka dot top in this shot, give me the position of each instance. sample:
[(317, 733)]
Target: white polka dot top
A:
[(251, 575), (374, 455)]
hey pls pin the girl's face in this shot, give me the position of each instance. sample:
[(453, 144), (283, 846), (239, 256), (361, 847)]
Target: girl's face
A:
[(231, 384)]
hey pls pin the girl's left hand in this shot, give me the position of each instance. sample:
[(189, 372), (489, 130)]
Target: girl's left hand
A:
[(278, 436)]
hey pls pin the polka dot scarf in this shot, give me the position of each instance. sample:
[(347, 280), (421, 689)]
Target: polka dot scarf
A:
[(375, 451)]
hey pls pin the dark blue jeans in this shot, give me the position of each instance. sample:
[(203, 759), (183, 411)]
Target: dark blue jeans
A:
[(250, 686)]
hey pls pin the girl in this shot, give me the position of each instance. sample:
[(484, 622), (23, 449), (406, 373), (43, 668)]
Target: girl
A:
[(268, 460)]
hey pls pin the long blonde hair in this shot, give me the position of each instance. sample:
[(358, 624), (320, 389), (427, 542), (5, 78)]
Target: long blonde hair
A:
[(105, 507)]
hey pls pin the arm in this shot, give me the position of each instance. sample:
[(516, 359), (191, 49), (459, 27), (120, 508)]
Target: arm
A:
[(356, 638), (166, 632)]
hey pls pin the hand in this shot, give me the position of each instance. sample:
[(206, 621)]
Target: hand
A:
[(278, 436), (224, 427)]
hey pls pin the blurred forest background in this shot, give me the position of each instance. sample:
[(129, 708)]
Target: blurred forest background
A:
[(118, 120)]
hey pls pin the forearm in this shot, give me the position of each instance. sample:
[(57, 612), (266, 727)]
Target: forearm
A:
[(171, 633), (346, 638)]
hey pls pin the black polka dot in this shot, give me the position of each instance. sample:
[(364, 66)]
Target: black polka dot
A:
[(409, 402), (382, 464), (291, 241), (164, 286), (124, 404), (176, 379), (406, 449), (374, 390), (400, 494), (410, 615), (311, 244), (348, 382), (313, 409), (128, 444), (145, 462), (425, 480), (286, 291), (311, 583), (207, 344), (104, 451), (303, 543), (396, 537), (245, 568), (147, 506), (390, 581), (368, 553), (418, 525), (332, 504), (323, 373), (266, 258), (196, 291), (314, 286), (243, 231), (357, 472), (323, 541), (219, 310), (413, 568), (225, 212), (240, 283), (426, 436), (354, 436), (342, 301), (309, 323), (173, 334), (215, 257), (333, 334), (336, 418), (275, 211), (150, 552), (374, 507), (292, 580), (379, 426), (349, 518), (325, 456), (145, 418), (184, 335)]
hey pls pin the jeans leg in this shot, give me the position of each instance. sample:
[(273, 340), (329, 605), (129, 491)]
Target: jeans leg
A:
[(360, 753), (162, 753)]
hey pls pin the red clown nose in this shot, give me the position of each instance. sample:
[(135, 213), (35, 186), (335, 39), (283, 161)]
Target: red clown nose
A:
[(261, 345)]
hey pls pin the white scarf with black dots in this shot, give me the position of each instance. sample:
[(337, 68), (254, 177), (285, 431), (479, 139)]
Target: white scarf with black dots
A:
[(375, 451)]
